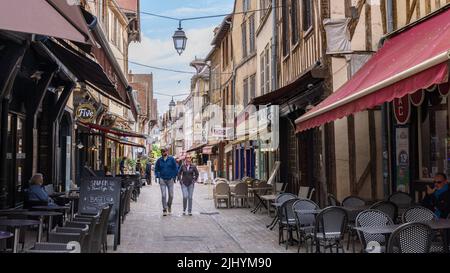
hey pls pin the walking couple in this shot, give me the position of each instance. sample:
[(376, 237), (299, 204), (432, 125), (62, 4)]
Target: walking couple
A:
[(167, 171)]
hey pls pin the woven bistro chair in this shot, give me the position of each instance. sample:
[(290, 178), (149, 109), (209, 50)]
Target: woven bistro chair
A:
[(240, 193), (329, 229), (221, 192), (372, 218), (412, 237), (403, 202), (388, 207), (57, 248), (305, 222), (333, 201), (422, 214), (287, 221), (352, 202)]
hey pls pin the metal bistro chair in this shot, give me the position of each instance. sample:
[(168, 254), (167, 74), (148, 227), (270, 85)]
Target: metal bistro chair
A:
[(387, 207), (240, 193), (402, 200), (411, 238), (305, 222), (287, 222), (56, 248), (333, 201), (422, 214), (372, 218), (280, 199), (352, 202), (330, 228)]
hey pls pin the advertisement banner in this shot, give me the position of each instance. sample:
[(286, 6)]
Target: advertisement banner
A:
[(402, 158)]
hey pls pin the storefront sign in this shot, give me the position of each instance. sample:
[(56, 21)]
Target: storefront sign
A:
[(86, 112), (402, 152), (444, 89), (417, 98), (402, 110)]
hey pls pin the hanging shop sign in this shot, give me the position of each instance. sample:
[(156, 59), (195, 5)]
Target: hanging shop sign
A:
[(444, 89), (86, 112), (402, 110), (417, 98)]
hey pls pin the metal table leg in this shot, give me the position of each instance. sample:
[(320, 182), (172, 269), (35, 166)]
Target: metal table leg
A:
[(41, 223), (16, 239)]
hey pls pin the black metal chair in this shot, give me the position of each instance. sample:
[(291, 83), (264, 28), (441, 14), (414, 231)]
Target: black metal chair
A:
[(411, 238), (352, 202), (333, 201), (329, 229), (57, 248), (305, 221), (86, 247), (287, 221), (402, 200), (422, 214), (372, 218), (282, 197), (387, 207)]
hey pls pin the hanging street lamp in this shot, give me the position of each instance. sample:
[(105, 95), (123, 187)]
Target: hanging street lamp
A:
[(179, 39)]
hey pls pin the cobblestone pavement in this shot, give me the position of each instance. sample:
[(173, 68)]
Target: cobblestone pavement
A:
[(209, 230)]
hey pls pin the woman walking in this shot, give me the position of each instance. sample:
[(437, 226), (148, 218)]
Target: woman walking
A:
[(187, 175)]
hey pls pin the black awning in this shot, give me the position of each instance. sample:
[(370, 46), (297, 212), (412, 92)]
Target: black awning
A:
[(85, 69), (286, 93)]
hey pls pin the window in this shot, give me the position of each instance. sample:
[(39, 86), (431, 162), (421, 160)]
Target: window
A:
[(307, 14), (267, 72), (434, 135), (294, 21), (252, 87), (245, 102), (264, 6), (100, 10), (285, 27), (252, 33), (262, 65), (244, 40), (246, 5)]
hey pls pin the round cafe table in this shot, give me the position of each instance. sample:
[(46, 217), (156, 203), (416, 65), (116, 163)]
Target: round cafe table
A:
[(41, 215), (17, 224)]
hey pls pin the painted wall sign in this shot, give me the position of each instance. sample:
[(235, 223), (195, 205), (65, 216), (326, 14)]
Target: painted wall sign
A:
[(402, 110), (417, 98), (86, 112), (402, 152)]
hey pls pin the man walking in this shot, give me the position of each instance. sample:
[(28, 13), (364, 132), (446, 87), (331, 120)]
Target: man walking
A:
[(166, 170), (148, 172)]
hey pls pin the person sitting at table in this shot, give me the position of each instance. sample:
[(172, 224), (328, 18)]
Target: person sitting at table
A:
[(36, 192), (438, 197)]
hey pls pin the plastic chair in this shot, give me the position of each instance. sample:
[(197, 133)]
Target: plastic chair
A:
[(221, 192)]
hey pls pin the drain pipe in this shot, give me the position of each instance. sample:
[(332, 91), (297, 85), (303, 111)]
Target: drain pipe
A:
[(385, 124)]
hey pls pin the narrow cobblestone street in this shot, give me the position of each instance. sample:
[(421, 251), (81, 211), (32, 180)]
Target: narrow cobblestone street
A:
[(209, 230)]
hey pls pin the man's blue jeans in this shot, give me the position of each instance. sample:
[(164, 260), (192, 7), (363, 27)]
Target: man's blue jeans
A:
[(166, 185), (188, 193)]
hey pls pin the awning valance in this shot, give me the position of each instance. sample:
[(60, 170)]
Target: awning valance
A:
[(113, 131), (196, 148), (54, 18), (124, 142), (414, 59)]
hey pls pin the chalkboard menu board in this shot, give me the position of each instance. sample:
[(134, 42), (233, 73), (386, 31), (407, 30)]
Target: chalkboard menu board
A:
[(98, 192)]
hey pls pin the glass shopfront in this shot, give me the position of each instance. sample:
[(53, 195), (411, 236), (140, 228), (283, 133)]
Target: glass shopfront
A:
[(434, 135)]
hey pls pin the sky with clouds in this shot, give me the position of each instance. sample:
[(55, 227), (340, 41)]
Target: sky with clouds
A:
[(156, 47)]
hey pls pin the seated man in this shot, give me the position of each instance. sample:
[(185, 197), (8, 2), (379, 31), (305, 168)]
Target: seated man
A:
[(438, 197), (36, 192)]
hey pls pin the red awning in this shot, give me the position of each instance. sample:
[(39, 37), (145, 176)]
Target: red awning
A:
[(55, 18), (113, 131), (414, 59)]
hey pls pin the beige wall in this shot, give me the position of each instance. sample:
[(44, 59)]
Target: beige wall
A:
[(263, 39), (423, 8)]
